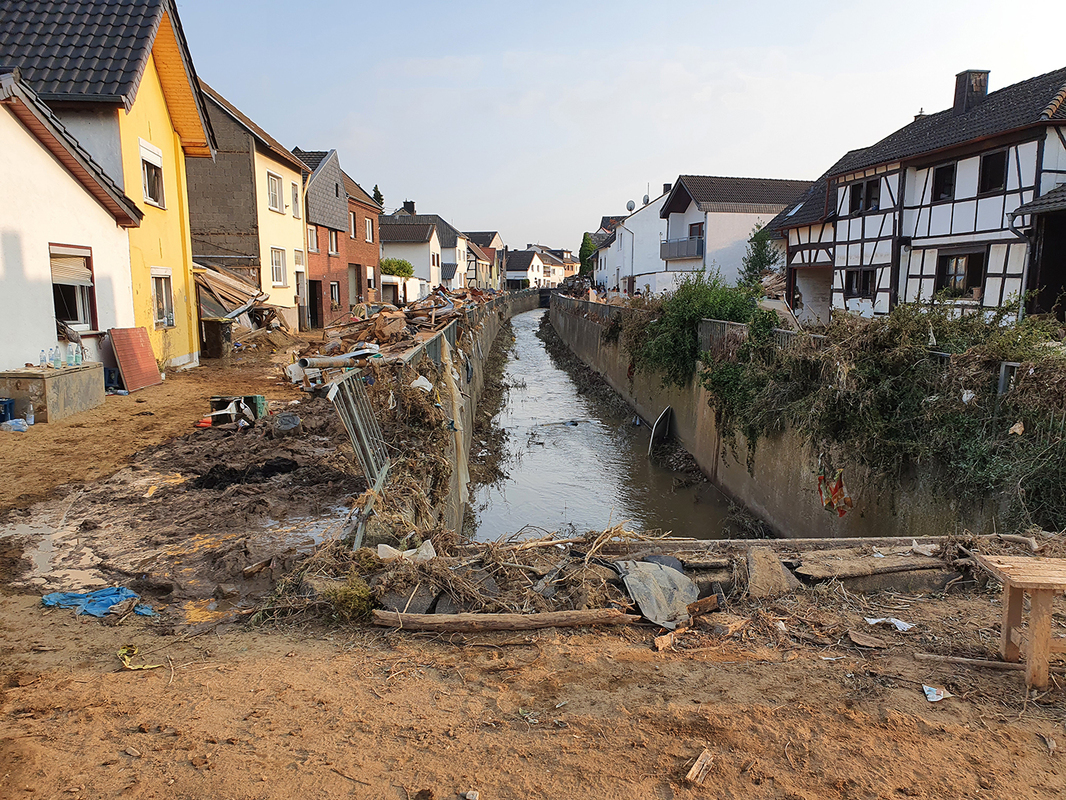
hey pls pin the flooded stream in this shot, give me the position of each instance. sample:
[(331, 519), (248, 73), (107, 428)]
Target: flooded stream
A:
[(574, 462)]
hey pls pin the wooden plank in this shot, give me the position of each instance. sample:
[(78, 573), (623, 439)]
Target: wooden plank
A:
[(862, 566), (1011, 621), (704, 606), (667, 640), (1036, 662), (468, 623), (698, 774), (136, 361)]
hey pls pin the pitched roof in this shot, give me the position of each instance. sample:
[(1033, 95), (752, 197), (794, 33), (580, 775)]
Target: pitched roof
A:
[(715, 193), (609, 223), (356, 192), (549, 257), (95, 51), (31, 111), (1037, 100), (812, 206), (478, 252), (608, 240), (404, 233), (1055, 200), (598, 239), (447, 271), (448, 234), (312, 158), (482, 238), (268, 141), (520, 260)]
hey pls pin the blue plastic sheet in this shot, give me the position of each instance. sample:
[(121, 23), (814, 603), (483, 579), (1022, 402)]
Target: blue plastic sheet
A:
[(95, 603)]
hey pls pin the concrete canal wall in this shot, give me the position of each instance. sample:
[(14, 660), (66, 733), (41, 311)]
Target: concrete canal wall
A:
[(782, 487)]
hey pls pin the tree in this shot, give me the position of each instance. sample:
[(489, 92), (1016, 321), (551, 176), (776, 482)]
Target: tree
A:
[(588, 249), (400, 267), (379, 198), (762, 257)]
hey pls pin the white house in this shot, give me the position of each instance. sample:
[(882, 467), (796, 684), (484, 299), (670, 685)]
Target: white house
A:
[(636, 250), (419, 244), (64, 243), (452, 244), (967, 204), (709, 220), (525, 269)]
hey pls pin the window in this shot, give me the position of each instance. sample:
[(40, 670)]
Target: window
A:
[(162, 298), (298, 260), (351, 224), (72, 286), (152, 174), (860, 283), (369, 277), (695, 230), (274, 201), (961, 274), (277, 266), (334, 248), (865, 196), (369, 229), (312, 238), (335, 294), (296, 201), (944, 182), (993, 173)]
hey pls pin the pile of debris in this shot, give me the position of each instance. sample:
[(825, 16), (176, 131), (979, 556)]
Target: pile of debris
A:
[(222, 294)]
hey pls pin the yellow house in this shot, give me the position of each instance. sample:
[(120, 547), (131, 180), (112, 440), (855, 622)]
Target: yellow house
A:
[(122, 81)]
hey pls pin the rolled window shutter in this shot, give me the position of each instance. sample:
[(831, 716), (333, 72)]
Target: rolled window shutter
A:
[(71, 270)]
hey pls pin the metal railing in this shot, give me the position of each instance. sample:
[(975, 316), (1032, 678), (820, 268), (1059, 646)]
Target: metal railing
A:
[(689, 247), (598, 312)]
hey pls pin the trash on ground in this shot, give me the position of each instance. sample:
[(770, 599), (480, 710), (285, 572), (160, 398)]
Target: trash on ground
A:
[(698, 774), (898, 624), (934, 694), (866, 640), (424, 552), (421, 382), (96, 603), (128, 652), (661, 593)]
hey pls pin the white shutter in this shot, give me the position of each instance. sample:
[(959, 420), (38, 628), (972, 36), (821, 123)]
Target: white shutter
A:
[(71, 270)]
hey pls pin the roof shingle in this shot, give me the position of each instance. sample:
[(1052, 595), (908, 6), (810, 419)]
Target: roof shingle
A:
[(404, 233)]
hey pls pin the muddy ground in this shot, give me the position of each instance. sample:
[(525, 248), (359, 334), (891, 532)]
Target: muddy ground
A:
[(235, 711)]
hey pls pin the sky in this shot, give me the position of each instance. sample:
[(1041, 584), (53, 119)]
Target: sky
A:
[(537, 118)]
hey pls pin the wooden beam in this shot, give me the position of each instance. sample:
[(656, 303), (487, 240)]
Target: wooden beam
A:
[(1039, 650), (470, 623)]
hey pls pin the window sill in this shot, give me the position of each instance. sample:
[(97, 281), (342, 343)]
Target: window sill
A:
[(154, 204), (162, 326), (279, 286), (276, 210), (334, 253)]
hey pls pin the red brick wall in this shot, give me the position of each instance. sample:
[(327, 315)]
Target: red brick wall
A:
[(361, 252), (322, 266)]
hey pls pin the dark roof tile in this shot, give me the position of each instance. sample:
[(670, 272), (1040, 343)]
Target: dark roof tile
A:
[(720, 193), (404, 233), (448, 234)]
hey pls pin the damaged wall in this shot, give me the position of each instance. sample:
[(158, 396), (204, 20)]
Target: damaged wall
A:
[(782, 488)]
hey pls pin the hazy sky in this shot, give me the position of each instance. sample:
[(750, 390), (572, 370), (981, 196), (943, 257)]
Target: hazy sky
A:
[(537, 118)]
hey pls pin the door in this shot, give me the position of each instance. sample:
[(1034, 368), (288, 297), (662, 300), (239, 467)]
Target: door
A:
[(315, 298), (301, 302), (1050, 278)]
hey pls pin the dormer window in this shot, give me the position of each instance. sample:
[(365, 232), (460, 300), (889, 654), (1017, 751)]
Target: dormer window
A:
[(865, 196), (944, 182)]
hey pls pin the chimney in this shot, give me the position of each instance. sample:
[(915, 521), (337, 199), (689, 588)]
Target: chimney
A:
[(971, 88), (667, 187), (409, 206)]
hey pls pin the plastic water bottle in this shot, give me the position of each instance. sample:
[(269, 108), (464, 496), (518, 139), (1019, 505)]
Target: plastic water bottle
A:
[(29, 412), (56, 363), (77, 355), (43, 362)]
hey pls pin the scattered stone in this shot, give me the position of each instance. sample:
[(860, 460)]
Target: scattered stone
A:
[(767, 576), (418, 600), (226, 591), (722, 624), (133, 752)]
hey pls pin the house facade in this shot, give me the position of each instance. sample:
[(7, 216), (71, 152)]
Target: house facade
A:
[(418, 244), (246, 207), (947, 206), (326, 219), (709, 220), (526, 270), (363, 247), (452, 269), (64, 241), (492, 245), (139, 113)]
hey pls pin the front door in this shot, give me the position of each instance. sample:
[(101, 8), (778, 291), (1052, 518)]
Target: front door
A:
[(315, 297), (1050, 273)]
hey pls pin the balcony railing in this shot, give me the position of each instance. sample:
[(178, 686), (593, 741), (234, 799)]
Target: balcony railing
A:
[(691, 247)]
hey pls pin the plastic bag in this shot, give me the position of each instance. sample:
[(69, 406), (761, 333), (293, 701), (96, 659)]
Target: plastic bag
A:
[(14, 425)]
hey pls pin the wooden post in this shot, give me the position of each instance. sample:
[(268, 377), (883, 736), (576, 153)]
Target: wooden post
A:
[(1036, 664), (1012, 620)]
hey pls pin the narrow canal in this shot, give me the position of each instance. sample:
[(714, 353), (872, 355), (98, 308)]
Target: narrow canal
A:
[(575, 463)]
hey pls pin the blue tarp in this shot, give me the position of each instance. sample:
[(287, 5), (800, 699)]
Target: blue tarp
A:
[(95, 603)]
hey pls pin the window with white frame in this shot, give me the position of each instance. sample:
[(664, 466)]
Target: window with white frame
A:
[(72, 285), (334, 248), (277, 266), (274, 200), (369, 277), (351, 224), (298, 260), (369, 229), (335, 294), (152, 174), (295, 201), (312, 238), (162, 297)]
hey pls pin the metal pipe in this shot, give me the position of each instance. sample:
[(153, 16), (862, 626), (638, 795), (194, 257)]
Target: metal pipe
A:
[(327, 361)]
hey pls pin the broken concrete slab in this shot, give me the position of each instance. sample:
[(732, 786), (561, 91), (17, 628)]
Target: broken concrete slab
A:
[(767, 576)]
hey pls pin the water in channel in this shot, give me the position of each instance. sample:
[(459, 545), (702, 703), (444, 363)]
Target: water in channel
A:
[(572, 461)]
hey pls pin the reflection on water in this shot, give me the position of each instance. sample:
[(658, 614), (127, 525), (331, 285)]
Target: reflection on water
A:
[(574, 462)]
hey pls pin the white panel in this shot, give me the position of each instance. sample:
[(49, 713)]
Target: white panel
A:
[(881, 303), (891, 182), (991, 297), (876, 225), (912, 290), (928, 288), (997, 258), (1027, 155), (841, 255), (797, 257), (1016, 259), (1012, 171), (929, 263), (854, 254), (917, 190), (940, 219), (838, 300), (842, 201), (793, 236), (966, 178), (875, 252), (884, 278), (990, 213), (1012, 288), (962, 221)]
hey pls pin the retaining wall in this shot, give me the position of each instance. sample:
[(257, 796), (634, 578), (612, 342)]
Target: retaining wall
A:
[(782, 487)]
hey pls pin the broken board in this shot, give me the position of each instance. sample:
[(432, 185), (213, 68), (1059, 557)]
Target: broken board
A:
[(136, 361)]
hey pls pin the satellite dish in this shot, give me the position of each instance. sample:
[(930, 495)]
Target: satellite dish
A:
[(646, 199), (630, 205)]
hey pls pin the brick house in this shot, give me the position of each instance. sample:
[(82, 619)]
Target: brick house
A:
[(327, 233), (362, 248)]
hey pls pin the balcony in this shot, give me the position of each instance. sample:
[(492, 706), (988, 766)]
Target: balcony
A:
[(691, 247)]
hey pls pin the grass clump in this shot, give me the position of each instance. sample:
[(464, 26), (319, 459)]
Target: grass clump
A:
[(351, 599)]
